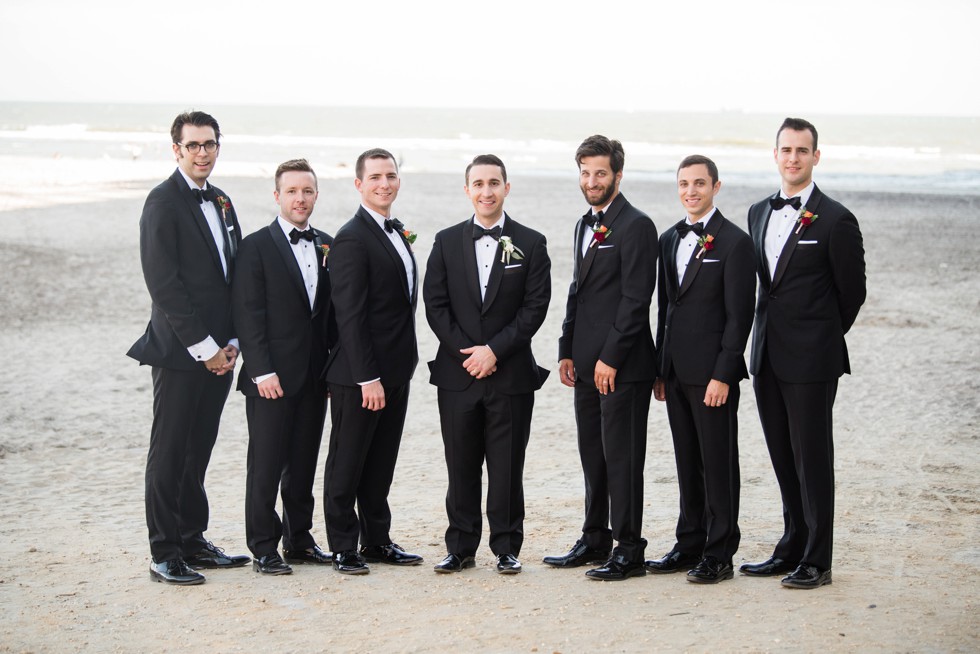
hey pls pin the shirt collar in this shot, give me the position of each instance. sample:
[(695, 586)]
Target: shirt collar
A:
[(500, 222), (378, 218), (287, 226), (190, 182), (804, 195), (705, 219)]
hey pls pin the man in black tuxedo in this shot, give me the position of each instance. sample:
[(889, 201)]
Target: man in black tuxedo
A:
[(706, 288), (374, 286), (189, 235), (606, 353), (487, 288), (812, 285), (281, 308)]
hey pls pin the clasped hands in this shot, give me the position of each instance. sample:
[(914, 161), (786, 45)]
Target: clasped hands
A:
[(481, 362), (223, 360)]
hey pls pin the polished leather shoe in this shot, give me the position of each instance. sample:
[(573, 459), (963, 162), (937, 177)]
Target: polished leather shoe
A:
[(310, 555), (455, 563), (211, 556), (617, 568), (174, 571), (349, 563), (507, 564), (271, 564), (769, 568), (672, 561), (807, 576), (392, 554), (580, 554), (710, 571)]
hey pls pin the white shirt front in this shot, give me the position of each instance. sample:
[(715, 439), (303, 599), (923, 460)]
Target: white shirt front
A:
[(400, 247), (486, 249), (587, 232), (305, 253), (685, 248), (782, 222)]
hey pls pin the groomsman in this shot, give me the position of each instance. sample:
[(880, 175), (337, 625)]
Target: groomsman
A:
[(281, 308), (812, 285), (606, 353), (706, 289), (374, 284), (188, 238), (487, 288)]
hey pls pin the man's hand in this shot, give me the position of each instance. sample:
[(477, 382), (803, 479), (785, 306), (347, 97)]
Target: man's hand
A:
[(566, 372), (373, 396), (716, 394), (270, 388), (659, 390), (232, 353), (605, 378), (481, 361), (217, 363)]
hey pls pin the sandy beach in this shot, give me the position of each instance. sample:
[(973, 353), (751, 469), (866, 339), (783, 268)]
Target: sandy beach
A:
[(74, 427)]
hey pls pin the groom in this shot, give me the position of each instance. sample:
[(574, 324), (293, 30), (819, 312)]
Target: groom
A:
[(189, 235)]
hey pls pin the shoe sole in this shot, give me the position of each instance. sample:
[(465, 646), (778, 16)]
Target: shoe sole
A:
[(292, 561), (655, 571), (173, 582), (508, 571), (641, 573), (362, 571), (271, 573), (702, 580), (577, 565), (445, 571), (406, 564), (215, 566), (805, 586)]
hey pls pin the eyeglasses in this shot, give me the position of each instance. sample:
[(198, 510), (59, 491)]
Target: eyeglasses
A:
[(193, 148)]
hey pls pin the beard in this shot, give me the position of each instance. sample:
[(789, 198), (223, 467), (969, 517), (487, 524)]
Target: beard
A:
[(603, 199)]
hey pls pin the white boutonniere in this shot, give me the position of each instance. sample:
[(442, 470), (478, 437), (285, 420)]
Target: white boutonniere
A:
[(509, 250)]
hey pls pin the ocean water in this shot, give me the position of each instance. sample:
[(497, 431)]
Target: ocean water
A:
[(875, 153)]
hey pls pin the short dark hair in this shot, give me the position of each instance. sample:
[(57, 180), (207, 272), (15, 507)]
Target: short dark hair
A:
[(373, 153), (294, 165), (696, 159), (486, 160), (798, 124), (197, 119), (598, 146)]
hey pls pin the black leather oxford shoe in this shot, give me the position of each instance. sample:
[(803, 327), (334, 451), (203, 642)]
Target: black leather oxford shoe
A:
[(214, 557), (349, 563), (617, 568), (174, 571), (672, 561), (392, 554), (310, 555), (271, 564), (507, 564), (455, 563), (769, 568), (807, 576), (580, 554), (710, 571)]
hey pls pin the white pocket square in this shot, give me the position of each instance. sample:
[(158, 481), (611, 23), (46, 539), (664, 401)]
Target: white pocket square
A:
[(807, 242), (711, 261), (603, 247), (513, 265)]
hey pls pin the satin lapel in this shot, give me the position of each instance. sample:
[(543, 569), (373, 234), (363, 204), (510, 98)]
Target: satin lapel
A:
[(497, 267), (694, 265), (670, 263), (192, 205), (321, 273), (794, 238), (608, 220), (760, 241), (289, 261), (379, 233), (464, 240)]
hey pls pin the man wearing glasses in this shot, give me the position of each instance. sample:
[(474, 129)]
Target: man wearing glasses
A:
[(189, 236)]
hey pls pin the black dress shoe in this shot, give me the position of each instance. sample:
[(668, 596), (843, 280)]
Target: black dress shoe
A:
[(392, 554), (349, 563), (807, 576), (310, 555), (174, 571), (710, 571), (211, 556), (455, 563), (580, 554), (616, 569), (769, 568), (672, 561), (271, 564), (507, 564)]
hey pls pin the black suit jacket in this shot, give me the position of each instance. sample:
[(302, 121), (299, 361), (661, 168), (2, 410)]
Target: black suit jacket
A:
[(704, 323), (374, 310), (190, 297), (607, 316), (804, 311), (278, 330), (512, 311)]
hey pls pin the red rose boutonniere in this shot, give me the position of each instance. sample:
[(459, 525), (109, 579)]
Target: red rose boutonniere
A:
[(599, 234), (706, 243), (409, 235), (325, 249), (805, 219)]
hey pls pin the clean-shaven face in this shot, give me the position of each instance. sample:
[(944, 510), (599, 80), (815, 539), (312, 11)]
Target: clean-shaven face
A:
[(296, 196), (598, 182), (696, 191), (487, 189), (379, 185), (795, 158), (197, 166)]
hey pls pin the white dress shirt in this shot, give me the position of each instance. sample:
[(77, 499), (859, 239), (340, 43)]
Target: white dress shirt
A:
[(686, 246), (486, 250), (782, 222), (400, 247)]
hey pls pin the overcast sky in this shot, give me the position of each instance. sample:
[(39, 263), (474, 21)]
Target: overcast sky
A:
[(845, 57)]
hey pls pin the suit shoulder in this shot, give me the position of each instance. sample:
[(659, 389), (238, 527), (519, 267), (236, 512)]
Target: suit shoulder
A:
[(524, 232), (447, 232), (733, 232), (324, 236)]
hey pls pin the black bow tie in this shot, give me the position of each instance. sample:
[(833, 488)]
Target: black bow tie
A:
[(296, 235), (683, 228), (393, 224), (592, 220), (480, 232), (778, 203), (207, 195)]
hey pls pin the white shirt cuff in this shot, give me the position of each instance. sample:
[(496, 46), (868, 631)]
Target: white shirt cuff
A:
[(204, 350)]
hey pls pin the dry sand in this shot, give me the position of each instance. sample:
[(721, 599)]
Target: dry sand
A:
[(75, 415)]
